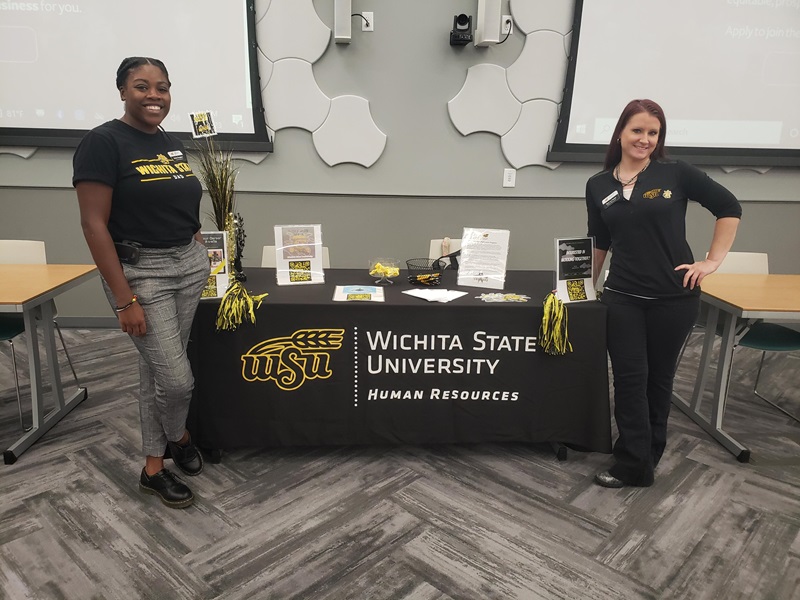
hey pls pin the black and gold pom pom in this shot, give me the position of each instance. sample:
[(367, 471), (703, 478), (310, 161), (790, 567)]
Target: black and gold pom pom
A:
[(553, 335), (237, 306)]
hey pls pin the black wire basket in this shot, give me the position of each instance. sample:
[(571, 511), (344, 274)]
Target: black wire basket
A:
[(425, 266), (425, 271)]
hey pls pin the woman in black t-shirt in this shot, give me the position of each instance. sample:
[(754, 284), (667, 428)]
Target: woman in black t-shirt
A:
[(139, 203)]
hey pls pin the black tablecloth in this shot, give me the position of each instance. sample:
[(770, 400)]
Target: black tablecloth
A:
[(315, 371)]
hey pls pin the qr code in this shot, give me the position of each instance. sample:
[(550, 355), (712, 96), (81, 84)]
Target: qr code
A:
[(210, 290), (576, 290), (299, 270)]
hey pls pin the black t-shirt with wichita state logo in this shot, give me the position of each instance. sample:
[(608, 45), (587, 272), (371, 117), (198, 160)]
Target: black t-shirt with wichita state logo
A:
[(156, 197)]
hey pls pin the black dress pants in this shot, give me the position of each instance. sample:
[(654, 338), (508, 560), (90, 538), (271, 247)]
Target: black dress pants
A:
[(644, 340)]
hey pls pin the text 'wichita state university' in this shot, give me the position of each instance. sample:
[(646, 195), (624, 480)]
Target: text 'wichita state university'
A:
[(388, 342)]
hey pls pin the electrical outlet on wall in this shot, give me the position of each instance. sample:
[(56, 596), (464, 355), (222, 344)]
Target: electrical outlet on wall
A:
[(369, 19), (506, 25), (509, 177)]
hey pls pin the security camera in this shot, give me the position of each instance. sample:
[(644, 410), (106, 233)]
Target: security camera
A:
[(461, 34)]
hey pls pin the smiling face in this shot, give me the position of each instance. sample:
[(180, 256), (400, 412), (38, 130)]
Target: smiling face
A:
[(147, 98), (639, 137)]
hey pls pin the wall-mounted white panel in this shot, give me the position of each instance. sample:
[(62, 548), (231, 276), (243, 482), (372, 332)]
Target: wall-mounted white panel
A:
[(554, 15), (252, 157), (484, 103), (261, 7), (292, 29), (759, 170), (527, 142), (532, 76), (349, 135), (265, 67), (21, 151), (292, 97)]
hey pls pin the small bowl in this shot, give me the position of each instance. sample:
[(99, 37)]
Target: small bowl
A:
[(384, 269)]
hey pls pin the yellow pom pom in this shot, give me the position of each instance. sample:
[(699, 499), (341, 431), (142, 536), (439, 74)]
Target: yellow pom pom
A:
[(553, 337)]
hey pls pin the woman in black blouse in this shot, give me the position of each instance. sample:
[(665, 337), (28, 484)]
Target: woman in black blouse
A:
[(637, 210)]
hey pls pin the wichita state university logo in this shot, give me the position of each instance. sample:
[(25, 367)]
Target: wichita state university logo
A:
[(290, 361)]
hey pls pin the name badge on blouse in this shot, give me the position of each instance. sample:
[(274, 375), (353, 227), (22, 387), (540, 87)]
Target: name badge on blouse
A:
[(610, 199)]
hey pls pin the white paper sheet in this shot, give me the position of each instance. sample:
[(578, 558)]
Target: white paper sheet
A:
[(436, 295)]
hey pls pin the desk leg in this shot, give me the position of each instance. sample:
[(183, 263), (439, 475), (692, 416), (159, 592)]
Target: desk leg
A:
[(714, 426), (705, 359), (43, 423), (723, 370), (48, 331)]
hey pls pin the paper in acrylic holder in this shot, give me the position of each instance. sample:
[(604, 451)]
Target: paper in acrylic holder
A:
[(574, 259), (484, 253), (298, 254), (217, 244)]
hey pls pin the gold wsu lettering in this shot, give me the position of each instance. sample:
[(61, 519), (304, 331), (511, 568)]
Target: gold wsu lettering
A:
[(291, 361)]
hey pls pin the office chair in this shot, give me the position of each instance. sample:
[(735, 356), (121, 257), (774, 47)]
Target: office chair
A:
[(437, 248), (268, 257), (11, 327), (767, 337), (24, 252), (770, 337)]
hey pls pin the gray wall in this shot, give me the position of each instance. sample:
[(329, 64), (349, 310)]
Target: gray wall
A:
[(356, 228), (430, 181)]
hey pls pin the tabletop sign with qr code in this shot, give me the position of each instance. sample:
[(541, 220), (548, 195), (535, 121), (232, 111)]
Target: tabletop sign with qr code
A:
[(216, 242), (574, 256), (298, 254)]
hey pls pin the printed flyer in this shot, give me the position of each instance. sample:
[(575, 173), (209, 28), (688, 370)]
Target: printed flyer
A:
[(298, 254), (359, 293), (574, 259), (217, 244), (484, 253)]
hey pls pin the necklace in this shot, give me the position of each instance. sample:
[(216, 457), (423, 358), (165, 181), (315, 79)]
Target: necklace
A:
[(624, 183)]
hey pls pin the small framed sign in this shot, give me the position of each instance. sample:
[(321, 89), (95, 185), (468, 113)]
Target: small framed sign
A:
[(298, 254), (574, 280), (202, 124), (216, 242)]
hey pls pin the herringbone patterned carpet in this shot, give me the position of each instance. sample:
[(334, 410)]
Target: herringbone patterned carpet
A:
[(474, 522)]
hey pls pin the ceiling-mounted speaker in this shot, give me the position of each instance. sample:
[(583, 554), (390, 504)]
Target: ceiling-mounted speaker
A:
[(342, 21), (487, 29)]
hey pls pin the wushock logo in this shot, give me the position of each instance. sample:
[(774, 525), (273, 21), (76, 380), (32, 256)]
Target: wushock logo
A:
[(290, 361)]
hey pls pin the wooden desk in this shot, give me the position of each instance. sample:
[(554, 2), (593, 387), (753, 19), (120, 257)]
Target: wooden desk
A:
[(30, 290), (736, 301)]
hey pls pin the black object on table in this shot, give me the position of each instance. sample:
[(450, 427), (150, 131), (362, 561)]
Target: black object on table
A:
[(312, 371)]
